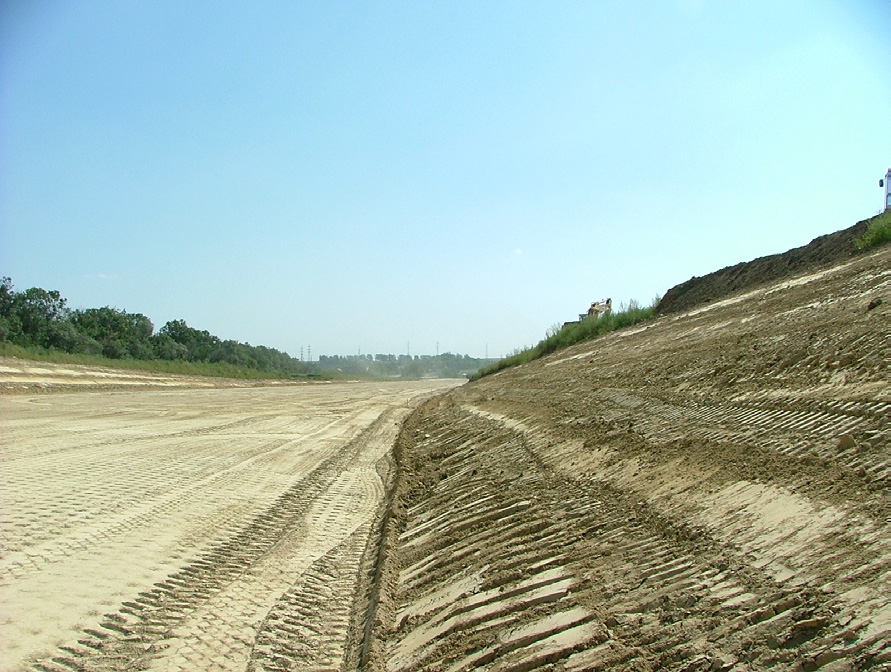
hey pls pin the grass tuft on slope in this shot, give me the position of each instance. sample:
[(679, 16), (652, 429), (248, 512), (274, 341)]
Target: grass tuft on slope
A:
[(878, 232), (571, 333)]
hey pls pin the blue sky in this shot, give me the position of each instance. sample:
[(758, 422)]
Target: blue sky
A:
[(377, 176)]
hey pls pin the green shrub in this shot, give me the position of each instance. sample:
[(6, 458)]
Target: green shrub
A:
[(878, 232)]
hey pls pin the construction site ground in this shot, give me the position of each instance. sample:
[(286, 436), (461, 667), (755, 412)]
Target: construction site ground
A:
[(705, 491), (172, 523)]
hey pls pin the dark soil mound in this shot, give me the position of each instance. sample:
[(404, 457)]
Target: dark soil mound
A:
[(823, 251)]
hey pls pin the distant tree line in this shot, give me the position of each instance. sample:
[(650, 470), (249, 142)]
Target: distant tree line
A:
[(40, 319), (446, 365), (37, 318)]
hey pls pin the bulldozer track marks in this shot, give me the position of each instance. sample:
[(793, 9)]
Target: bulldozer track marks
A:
[(707, 492), (582, 577)]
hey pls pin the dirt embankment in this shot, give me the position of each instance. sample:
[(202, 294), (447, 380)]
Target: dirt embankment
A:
[(709, 491), (821, 252), (22, 376)]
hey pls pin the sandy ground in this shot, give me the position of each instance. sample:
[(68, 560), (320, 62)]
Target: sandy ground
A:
[(709, 491), (20, 376), (183, 524)]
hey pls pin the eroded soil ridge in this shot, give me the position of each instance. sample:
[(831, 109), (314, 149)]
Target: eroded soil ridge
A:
[(709, 491), (822, 252)]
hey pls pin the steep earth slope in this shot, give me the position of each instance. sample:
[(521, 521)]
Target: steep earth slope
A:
[(707, 491), (821, 252)]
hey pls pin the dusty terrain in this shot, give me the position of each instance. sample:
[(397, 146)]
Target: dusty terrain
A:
[(709, 491), (149, 523)]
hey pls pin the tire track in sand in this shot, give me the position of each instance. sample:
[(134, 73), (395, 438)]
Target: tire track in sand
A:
[(208, 615), (210, 609)]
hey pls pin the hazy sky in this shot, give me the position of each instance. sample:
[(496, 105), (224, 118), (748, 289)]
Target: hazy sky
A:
[(361, 176)]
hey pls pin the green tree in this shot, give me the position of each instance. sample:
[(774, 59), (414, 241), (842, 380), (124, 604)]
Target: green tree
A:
[(119, 333), (166, 348), (34, 315), (67, 337), (9, 325), (200, 345)]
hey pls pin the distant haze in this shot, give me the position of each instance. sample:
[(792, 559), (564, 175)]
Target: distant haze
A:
[(435, 176)]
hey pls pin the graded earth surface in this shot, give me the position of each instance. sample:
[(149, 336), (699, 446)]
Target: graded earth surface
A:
[(705, 491), (150, 523)]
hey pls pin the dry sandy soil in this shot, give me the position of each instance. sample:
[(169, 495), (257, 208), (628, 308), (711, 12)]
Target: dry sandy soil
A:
[(709, 491), (171, 523)]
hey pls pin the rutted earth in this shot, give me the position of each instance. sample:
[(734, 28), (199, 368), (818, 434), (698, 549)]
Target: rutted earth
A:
[(186, 528), (709, 491)]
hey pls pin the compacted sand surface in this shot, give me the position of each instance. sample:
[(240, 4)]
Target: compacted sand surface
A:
[(186, 528)]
